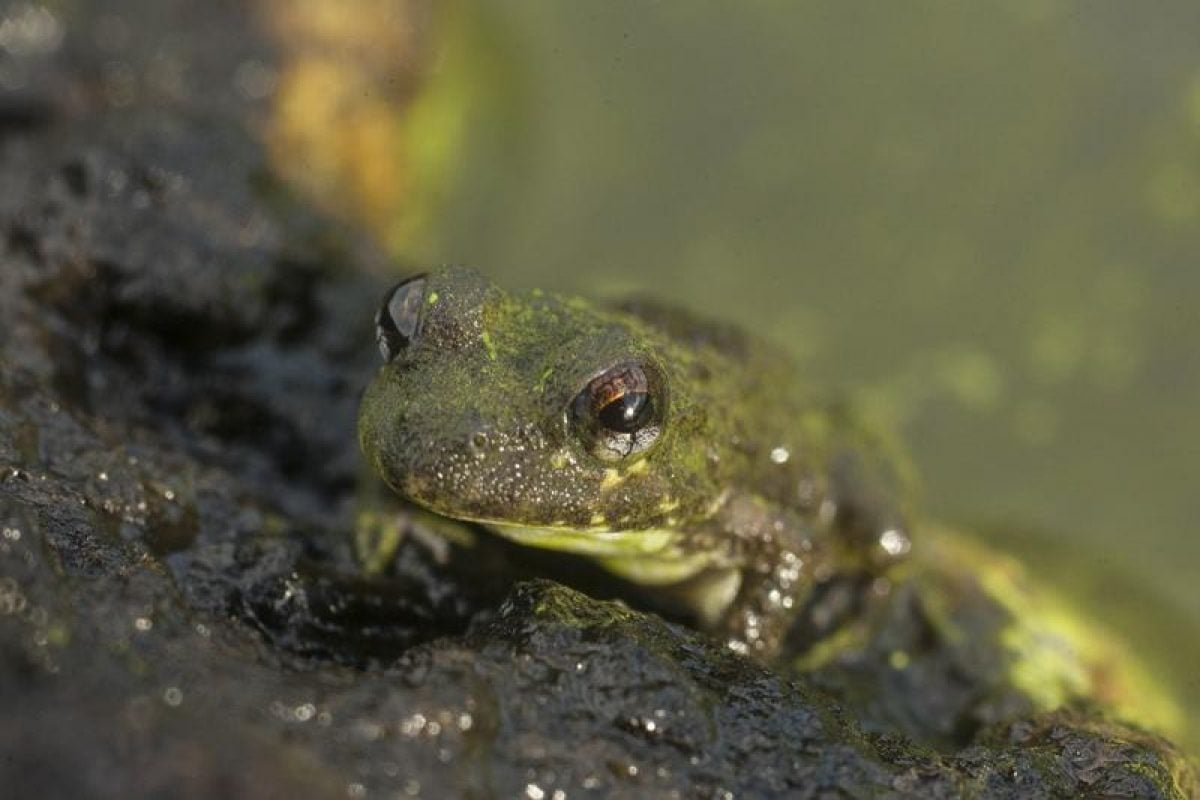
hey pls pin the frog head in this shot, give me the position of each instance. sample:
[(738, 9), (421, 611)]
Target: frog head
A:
[(552, 420)]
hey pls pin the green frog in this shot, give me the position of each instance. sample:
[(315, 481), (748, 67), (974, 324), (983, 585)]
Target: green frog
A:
[(691, 462), (681, 454)]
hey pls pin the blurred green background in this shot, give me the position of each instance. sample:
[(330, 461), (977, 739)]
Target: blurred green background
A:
[(984, 217)]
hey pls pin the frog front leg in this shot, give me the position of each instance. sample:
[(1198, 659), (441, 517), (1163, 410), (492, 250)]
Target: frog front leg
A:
[(780, 558), (799, 576)]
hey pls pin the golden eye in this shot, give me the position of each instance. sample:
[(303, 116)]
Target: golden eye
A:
[(620, 412)]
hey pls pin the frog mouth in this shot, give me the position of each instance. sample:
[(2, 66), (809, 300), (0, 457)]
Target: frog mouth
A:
[(596, 540), (650, 556)]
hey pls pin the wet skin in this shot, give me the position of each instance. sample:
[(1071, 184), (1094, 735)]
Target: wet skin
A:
[(682, 454)]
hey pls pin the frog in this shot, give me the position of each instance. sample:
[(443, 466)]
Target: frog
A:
[(682, 455), (697, 465)]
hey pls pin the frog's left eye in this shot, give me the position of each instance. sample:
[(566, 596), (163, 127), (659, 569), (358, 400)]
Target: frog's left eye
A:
[(621, 411), (399, 316)]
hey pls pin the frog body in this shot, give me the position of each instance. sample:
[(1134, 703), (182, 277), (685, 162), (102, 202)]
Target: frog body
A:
[(682, 454)]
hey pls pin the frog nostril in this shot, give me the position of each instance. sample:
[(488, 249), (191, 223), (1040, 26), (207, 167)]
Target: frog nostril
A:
[(478, 441)]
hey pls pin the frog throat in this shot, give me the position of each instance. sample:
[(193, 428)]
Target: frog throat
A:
[(597, 542), (647, 557)]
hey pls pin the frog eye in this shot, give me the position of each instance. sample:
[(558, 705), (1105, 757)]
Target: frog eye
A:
[(620, 412), (399, 316)]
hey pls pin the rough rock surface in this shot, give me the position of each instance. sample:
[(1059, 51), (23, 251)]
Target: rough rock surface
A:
[(180, 616)]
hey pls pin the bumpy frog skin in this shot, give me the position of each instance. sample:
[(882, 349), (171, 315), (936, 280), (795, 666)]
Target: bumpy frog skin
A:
[(680, 453)]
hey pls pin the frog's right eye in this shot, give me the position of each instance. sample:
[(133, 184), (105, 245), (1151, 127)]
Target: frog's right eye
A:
[(399, 316), (621, 411)]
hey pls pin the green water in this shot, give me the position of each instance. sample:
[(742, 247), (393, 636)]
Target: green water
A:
[(985, 216)]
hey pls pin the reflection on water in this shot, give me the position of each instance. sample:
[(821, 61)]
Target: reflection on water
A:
[(985, 215)]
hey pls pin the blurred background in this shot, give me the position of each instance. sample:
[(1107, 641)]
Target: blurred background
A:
[(983, 219)]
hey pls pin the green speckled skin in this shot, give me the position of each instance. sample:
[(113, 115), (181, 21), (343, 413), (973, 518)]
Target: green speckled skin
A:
[(755, 491)]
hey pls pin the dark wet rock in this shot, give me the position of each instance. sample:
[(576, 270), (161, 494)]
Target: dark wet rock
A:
[(180, 614), (1069, 754)]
